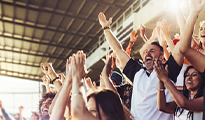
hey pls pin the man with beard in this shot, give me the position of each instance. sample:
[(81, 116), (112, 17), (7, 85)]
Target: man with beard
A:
[(44, 105), (145, 80)]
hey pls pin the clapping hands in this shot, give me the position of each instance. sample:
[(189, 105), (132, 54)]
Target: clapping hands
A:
[(78, 69), (162, 73)]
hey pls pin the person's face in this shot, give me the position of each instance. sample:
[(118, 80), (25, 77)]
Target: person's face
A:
[(91, 106), (202, 32), (45, 107), (192, 80), (152, 53)]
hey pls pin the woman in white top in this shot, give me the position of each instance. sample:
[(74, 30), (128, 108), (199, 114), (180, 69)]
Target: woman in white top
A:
[(186, 106)]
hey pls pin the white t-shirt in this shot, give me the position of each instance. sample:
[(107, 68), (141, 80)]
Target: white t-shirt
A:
[(183, 116), (144, 95), (144, 98)]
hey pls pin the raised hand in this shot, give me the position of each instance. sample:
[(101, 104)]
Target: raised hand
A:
[(158, 26), (166, 30), (106, 73), (68, 70), (162, 73), (102, 83), (103, 21), (116, 61), (154, 33), (107, 70), (78, 68), (114, 58), (47, 68), (159, 32), (21, 108), (133, 36), (89, 83), (142, 31), (196, 5), (46, 80)]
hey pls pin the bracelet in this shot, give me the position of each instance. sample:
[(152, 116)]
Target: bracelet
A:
[(75, 94), (54, 79), (106, 27), (132, 43), (161, 90)]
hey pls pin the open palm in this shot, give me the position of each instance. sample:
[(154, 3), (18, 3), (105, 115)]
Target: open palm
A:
[(103, 21)]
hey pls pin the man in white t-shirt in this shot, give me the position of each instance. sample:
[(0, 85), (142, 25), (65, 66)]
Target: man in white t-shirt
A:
[(145, 81)]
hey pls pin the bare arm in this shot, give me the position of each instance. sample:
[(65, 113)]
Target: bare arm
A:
[(48, 69), (46, 81), (54, 101), (180, 17), (20, 112), (185, 43), (78, 108), (102, 84), (62, 98), (167, 107), (133, 38), (61, 102), (183, 102), (166, 52), (107, 72), (180, 99), (162, 40), (112, 41), (146, 45), (142, 33), (166, 34), (178, 57)]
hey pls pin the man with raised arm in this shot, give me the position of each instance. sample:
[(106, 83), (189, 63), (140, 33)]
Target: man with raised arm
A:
[(145, 81)]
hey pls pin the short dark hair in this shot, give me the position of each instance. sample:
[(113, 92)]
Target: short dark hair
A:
[(45, 96), (158, 45)]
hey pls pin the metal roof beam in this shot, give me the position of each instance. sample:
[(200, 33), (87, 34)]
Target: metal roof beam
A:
[(27, 53), (36, 66), (43, 43), (48, 11), (43, 27), (22, 77)]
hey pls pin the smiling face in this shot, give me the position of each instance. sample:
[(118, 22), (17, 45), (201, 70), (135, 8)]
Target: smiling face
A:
[(152, 53), (192, 80), (45, 107), (202, 32), (91, 106)]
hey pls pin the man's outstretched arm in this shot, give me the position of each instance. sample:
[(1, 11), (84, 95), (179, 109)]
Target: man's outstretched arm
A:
[(112, 40)]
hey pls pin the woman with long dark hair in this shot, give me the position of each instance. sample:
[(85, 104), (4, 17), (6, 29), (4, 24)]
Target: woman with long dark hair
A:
[(105, 105), (101, 103), (188, 105)]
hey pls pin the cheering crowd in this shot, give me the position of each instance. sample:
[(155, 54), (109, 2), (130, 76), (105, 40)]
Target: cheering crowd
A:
[(167, 84)]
